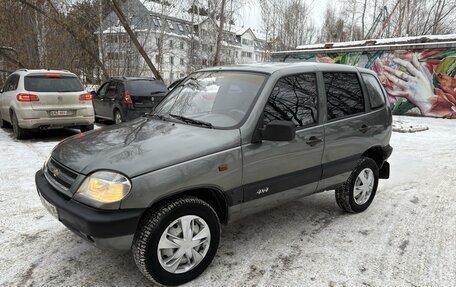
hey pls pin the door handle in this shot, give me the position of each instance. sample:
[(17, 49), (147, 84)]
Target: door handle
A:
[(364, 128), (313, 140)]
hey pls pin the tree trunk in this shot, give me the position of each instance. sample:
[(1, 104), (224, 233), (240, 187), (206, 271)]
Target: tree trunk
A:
[(134, 39), (220, 34)]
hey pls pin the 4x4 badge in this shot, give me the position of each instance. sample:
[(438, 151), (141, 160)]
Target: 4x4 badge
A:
[(262, 190)]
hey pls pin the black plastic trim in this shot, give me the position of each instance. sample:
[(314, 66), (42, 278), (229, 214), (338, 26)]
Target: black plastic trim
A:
[(85, 219)]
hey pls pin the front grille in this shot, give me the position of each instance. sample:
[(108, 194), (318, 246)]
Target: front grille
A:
[(60, 175)]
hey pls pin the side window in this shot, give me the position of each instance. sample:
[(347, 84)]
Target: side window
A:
[(111, 92), (344, 94), (11, 83), (376, 96), (102, 90), (294, 98)]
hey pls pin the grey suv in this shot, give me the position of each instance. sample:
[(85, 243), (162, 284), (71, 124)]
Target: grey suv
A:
[(227, 142), (43, 99)]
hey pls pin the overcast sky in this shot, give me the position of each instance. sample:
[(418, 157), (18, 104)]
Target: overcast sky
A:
[(251, 14)]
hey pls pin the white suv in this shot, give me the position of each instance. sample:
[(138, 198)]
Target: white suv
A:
[(44, 99)]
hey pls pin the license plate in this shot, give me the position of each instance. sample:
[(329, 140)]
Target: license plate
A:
[(60, 113), (49, 207)]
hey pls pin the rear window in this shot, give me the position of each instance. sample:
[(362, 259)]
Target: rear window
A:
[(52, 84), (145, 87)]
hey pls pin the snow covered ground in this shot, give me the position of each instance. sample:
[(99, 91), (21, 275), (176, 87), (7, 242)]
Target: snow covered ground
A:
[(406, 238)]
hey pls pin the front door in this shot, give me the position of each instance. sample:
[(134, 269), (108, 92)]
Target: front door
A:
[(275, 172)]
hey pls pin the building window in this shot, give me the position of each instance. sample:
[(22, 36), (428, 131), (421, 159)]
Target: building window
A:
[(157, 41), (170, 25), (182, 45), (229, 52), (180, 27), (171, 60), (237, 54), (182, 61), (204, 62), (171, 44), (246, 54), (156, 21)]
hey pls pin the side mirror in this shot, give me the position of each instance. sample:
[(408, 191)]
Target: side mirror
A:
[(279, 131), (94, 94)]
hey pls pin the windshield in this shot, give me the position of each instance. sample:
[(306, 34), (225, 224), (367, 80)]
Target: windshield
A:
[(52, 84), (219, 98)]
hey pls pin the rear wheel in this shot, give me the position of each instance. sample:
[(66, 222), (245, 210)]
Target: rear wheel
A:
[(118, 117), (3, 123), (176, 241), (357, 193), (86, 128), (18, 132)]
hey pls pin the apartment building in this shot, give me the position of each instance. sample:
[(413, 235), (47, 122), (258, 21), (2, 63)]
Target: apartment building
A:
[(176, 40)]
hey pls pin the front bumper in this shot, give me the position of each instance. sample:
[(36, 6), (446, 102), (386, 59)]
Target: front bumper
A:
[(107, 229)]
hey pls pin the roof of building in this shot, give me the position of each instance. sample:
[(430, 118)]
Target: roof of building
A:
[(377, 42)]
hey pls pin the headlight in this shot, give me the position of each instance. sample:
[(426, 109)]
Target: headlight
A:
[(105, 187)]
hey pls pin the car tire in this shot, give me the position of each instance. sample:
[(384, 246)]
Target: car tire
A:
[(155, 240), (86, 128), (358, 192), (118, 117), (18, 132)]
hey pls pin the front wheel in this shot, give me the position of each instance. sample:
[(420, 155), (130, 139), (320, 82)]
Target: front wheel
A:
[(176, 241), (357, 193)]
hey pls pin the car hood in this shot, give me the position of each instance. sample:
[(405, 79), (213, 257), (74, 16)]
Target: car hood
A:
[(141, 146)]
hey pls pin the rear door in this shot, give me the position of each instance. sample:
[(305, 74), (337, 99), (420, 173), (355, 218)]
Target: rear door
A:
[(8, 95), (98, 99), (276, 172), (58, 93), (108, 99), (146, 94), (347, 130)]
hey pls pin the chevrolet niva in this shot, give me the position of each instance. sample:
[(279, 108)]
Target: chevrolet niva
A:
[(225, 143)]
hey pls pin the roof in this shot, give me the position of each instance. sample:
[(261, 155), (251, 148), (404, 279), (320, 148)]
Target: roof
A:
[(374, 42), (270, 68)]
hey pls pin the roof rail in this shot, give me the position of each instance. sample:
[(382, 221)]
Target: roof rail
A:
[(25, 70)]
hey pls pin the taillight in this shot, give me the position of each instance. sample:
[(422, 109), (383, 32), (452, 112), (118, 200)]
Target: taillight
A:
[(85, 97), (27, 98), (127, 99)]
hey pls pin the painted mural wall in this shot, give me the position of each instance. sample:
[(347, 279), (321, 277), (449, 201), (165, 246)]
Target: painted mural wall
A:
[(417, 81)]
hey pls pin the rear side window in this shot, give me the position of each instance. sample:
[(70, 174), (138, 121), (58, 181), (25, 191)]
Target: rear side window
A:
[(376, 97), (44, 83), (145, 87), (343, 94), (11, 83), (294, 98)]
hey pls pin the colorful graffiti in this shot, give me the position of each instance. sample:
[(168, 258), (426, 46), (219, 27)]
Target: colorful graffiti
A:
[(417, 81)]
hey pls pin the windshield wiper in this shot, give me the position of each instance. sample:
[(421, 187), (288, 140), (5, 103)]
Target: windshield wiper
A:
[(192, 121)]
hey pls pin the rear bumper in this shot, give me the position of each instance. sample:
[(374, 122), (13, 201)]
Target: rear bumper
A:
[(107, 229), (29, 118)]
